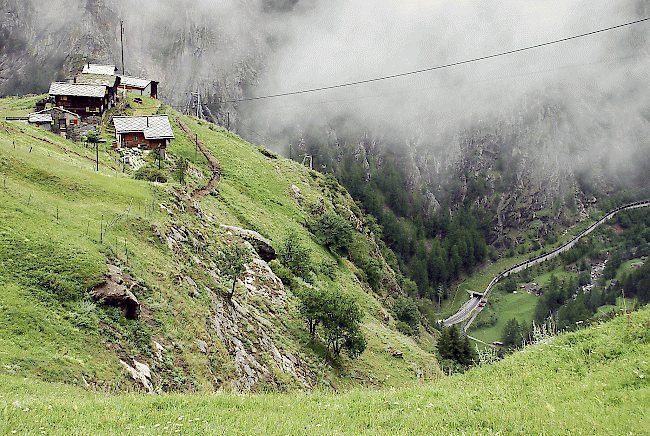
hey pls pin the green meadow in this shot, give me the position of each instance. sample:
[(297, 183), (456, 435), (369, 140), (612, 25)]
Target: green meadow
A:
[(591, 381)]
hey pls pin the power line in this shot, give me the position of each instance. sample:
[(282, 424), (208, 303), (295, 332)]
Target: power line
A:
[(459, 85), (439, 67)]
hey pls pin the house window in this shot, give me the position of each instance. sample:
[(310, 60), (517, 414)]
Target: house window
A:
[(64, 98)]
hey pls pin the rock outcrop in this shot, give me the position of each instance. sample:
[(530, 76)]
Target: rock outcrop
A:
[(249, 329), (140, 372), (260, 243), (114, 293)]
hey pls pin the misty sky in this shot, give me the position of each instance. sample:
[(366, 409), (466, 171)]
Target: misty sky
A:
[(600, 81), (343, 41)]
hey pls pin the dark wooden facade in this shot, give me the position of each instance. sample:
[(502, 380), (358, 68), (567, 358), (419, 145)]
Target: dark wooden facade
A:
[(83, 106)]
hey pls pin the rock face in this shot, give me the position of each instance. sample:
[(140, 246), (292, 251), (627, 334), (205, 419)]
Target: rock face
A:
[(115, 293), (140, 372), (262, 245), (249, 327)]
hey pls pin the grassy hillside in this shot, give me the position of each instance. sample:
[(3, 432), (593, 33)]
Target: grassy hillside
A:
[(55, 248), (592, 381)]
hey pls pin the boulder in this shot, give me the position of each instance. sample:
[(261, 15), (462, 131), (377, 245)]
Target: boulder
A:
[(114, 293), (260, 243), (140, 372)]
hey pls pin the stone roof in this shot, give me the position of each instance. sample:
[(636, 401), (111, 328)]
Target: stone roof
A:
[(153, 126), (134, 82), (95, 79), (106, 70), (39, 118), (78, 90)]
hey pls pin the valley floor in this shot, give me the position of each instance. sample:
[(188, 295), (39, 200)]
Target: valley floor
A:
[(592, 381)]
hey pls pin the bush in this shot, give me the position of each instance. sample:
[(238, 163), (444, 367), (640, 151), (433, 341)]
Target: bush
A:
[(373, 271), (151, 174), (404, 328), (407, 312), (181, 170), (332, 231), (295, 256), (284, 274), (339, 317)]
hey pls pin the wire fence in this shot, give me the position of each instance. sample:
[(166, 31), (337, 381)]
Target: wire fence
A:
[(93, 228)]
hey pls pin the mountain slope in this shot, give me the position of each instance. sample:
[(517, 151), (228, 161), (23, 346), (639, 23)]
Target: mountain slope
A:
[(165, 248)]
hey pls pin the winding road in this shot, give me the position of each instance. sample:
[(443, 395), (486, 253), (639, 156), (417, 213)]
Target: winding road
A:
[(471, 309)]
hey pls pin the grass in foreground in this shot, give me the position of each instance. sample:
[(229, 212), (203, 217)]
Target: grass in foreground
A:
[(593, 381)]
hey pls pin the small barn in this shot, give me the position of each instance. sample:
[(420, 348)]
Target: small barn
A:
[(58, 120), (149, 131), (84, 100), (144, 87), (42, 120)]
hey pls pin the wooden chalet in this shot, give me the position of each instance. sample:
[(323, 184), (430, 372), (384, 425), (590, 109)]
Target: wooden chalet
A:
[(149, 131), (110, 82), (85, 100), (136, 85)]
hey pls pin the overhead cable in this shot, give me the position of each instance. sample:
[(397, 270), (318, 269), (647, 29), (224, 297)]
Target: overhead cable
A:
[(438, 67)]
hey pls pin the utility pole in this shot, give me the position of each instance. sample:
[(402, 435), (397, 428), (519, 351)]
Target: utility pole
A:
[(122, 41), (228, 128), (97, 155), (198, 102)]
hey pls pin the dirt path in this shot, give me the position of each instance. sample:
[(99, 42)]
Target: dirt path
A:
[(213, 163)]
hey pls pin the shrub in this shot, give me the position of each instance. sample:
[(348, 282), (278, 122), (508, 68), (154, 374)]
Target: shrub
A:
[(284, 274), (332, 231), (339, 317), (295, 255), (404, 328), (151, 174), (407, 312), (181, 170), (232, 263)]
